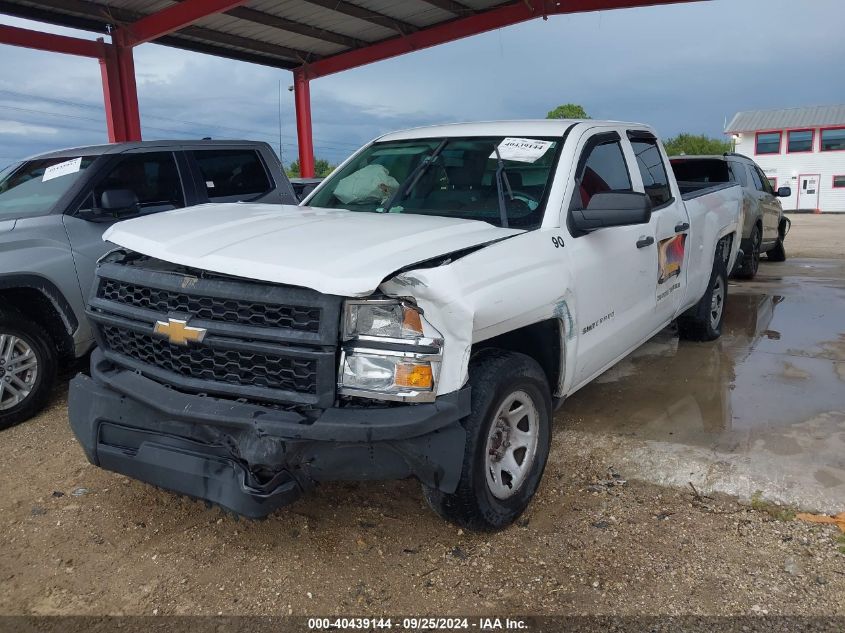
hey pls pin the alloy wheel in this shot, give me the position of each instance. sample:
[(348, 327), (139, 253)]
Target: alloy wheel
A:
[(18, 370)]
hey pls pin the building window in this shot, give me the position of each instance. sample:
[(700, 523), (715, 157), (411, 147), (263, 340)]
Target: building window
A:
[(833, 139), (768, 143), (799, 141), (839, 182)]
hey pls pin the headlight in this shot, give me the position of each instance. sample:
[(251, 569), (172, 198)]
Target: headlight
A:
[(383, 319), (391, 374), (390, 352)]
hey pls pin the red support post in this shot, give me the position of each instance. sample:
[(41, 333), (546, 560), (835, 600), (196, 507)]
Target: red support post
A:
[(112, 98), (128, 88), (304, 136)]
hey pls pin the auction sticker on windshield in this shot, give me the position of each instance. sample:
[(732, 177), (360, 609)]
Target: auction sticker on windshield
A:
[(62, 169), (524, 150)]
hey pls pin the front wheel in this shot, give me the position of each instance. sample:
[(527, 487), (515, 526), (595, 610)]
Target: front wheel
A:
[(508, 438), (703, 321), (27, 368)]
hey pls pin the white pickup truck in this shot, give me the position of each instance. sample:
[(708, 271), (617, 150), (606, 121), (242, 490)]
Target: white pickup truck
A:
[(422, 314)]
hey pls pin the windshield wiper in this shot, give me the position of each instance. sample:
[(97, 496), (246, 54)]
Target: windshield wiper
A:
[(413, 178), (502, 177)]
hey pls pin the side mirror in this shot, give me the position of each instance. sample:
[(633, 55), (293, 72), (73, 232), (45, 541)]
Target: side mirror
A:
[(784, 192), (612, 208), (118, 200), (306, 190)]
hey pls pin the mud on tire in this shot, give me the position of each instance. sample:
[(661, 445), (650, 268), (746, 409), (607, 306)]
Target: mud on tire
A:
[(751, 261), (488, 496), (778, 252)]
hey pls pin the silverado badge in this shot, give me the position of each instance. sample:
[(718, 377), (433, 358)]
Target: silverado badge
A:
[(178, 332)]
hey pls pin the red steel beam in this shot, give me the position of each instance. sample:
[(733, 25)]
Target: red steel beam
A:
[(129, 94), (304, 137), (27, 38), (175, 17), (499, 17), (112, 97)]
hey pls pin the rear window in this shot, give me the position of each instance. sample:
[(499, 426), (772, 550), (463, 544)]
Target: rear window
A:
[(652, 170), (701, 170), (232, 175)]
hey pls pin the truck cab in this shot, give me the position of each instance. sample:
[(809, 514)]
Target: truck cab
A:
[(420, 315), (54, 209)]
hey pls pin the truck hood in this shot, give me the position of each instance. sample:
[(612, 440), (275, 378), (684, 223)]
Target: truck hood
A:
[(332, 251)]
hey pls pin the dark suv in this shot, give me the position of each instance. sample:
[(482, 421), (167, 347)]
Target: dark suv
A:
[(765, 227), (54, 209)]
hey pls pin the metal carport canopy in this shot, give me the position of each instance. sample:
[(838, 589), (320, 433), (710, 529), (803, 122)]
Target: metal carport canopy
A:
[(313, 38)]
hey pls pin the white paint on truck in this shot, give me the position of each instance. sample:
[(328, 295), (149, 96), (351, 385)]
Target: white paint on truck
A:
[(604, 291)]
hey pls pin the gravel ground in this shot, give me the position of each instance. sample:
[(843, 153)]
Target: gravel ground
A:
[(79, 540), (814, 235)]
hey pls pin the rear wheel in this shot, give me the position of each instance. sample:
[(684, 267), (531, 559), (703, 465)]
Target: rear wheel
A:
[(751, 260), (27, 368), (508, 437), (778, 252), (703, 322)]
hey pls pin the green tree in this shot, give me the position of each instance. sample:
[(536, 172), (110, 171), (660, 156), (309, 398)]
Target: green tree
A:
[(568, 111), (322, 168), (696, 145)]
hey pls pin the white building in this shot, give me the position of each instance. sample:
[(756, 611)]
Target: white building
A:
[(801, 148)]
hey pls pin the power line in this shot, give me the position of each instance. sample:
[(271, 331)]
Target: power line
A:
[(339, 145)]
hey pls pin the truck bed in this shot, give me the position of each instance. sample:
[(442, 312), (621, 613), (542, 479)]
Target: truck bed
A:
[(715, 211), (692, 189)]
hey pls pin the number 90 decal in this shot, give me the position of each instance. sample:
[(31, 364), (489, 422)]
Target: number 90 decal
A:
[(557, 241)]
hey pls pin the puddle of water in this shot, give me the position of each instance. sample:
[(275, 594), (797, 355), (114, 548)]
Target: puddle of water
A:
[(780, 363)]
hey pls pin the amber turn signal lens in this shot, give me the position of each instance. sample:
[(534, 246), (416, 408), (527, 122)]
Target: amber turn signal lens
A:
[(411, 321), (414, 375)]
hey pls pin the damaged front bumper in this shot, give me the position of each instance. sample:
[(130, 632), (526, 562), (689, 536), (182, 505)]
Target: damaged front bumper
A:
[(251, 459)]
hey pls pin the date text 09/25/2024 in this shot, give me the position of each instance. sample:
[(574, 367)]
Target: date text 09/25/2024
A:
[(418, 623)]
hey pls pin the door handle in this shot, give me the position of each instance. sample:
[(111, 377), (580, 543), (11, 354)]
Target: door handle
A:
[(680, 228), (645, 241)]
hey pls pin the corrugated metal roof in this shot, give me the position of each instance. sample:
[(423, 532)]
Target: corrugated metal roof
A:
[(281, 33), (812, 116)]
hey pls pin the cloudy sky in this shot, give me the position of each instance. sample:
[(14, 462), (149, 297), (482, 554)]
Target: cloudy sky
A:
[(681, 68)]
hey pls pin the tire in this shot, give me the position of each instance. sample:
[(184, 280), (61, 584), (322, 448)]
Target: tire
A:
[(751, 261), (490, 496), (703, 322), (778, 253), (27, 366)]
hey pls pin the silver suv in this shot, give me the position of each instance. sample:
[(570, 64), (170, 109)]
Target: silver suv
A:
[(764, 227), (54, 209)]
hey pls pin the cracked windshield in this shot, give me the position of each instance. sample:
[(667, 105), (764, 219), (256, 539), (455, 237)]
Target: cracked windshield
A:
[(500, 180)]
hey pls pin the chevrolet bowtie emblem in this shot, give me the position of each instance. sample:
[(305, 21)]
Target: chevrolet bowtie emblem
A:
[(178, 332)]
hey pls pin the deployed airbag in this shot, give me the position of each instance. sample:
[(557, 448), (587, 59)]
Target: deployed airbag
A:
[(369, 183)]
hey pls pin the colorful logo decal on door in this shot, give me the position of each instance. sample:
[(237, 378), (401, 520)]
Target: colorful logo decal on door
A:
[(670, 257)]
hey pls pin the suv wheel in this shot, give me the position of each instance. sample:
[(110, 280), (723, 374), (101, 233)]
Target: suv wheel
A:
[(703, 322), (751, 261), (778, 252), (27, 368), (508, 437)]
